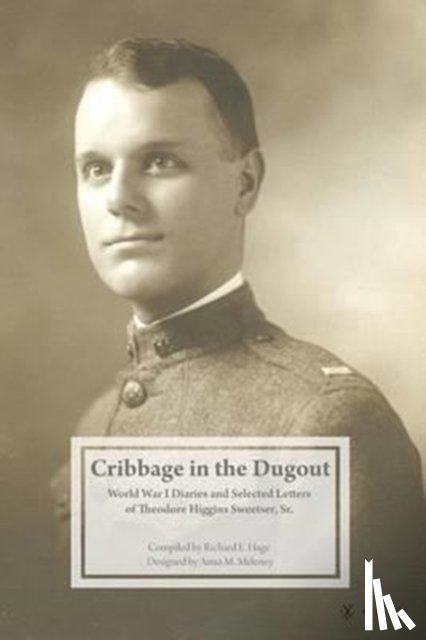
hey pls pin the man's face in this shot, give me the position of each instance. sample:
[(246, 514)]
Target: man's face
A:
[(158, 192)]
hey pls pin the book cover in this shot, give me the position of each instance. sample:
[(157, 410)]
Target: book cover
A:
[(333, 255)]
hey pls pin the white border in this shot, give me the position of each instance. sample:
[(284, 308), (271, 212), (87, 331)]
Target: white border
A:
[(78, 581)]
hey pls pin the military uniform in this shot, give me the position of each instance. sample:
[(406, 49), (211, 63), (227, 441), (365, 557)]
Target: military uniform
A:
[(224, 370)]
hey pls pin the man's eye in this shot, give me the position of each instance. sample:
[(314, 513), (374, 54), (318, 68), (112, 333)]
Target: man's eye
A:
[(96, 171), (162, 163)]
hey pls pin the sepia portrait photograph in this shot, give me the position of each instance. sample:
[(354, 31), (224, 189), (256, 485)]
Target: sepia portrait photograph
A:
[(214, 227)]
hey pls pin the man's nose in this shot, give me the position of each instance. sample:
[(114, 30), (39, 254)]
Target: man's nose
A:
[(125, 194)]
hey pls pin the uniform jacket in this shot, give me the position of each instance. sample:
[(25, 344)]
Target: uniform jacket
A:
[(224, 370)]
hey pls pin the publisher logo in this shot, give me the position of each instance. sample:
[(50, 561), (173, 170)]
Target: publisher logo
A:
[(373, 591)]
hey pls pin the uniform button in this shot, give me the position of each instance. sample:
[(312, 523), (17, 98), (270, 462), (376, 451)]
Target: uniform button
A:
[(163, 348), (133, 393)]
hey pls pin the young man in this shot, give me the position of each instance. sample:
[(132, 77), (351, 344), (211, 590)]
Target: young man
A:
[(168, 167)]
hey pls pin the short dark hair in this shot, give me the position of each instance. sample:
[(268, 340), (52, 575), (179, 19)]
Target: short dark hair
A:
[(157, 63)]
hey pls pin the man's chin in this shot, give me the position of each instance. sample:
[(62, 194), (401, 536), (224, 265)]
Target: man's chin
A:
[(137, 287), (134, 291)]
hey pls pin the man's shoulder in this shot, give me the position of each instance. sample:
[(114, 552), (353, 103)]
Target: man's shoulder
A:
[(321, 393), (303, 363), (329, 397)]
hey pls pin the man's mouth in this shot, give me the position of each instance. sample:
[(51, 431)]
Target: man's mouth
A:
[(135, 238)]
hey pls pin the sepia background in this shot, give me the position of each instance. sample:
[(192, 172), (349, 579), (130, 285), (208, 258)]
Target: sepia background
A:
[(335, 249)]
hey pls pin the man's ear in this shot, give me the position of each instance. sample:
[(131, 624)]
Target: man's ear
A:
[(252, 170)]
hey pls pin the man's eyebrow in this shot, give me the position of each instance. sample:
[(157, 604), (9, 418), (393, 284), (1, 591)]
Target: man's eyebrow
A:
[(84, 156), (154, 145)]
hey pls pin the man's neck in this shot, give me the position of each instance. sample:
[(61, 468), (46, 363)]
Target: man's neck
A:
[(222, 290)]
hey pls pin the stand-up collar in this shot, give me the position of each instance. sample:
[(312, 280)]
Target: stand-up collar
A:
[(230, 285), (208, 327)]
